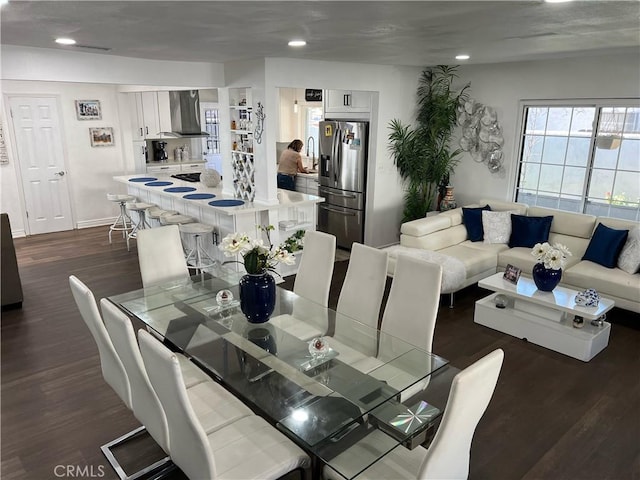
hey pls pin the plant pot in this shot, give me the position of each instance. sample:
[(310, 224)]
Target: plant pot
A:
[(608, 142), (546, 279), (448, 202), (257, 297)]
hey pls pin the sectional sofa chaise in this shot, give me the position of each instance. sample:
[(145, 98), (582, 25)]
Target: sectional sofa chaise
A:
[(448, 235)]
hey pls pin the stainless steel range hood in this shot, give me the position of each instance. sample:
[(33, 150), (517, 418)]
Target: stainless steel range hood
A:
[(185, 114)]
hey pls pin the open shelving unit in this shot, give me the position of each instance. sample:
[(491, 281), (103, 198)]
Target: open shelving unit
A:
[(241, 128)]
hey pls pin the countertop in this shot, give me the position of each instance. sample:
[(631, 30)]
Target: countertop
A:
[(171, 163), (286, 198)]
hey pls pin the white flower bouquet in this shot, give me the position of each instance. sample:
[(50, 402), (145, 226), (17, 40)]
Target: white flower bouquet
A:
[(553, 257), (259, 258)]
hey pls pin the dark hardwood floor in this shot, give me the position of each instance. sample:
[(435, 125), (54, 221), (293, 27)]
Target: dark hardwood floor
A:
[(551, 417)]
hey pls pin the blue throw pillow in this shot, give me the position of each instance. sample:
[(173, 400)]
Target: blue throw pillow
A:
[(527, 231), (605, 246), (472, 219)]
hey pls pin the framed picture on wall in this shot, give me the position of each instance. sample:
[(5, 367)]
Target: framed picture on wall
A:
[(88, 110), (102, 137)]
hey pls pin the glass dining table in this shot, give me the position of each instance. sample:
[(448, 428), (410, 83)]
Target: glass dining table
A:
[(324, 379)]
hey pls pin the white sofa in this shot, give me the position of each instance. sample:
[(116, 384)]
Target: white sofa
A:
[(446, 234)]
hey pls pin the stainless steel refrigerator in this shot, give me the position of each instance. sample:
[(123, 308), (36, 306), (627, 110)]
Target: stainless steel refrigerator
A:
[(343, 167)]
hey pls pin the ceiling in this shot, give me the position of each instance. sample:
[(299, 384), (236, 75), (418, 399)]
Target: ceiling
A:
[(417, 33)]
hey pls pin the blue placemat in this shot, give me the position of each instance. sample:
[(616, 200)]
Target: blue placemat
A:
[(158, 184), (143, 179), (179, 189), (199, 196), (226, 203)]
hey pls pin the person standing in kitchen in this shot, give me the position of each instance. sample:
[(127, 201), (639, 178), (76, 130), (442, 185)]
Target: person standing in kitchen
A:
[(290, 165)]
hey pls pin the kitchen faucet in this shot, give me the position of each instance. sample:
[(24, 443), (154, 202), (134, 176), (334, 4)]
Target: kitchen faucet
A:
[(313, 152)]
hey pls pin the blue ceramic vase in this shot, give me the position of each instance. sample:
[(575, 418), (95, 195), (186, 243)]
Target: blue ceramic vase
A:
[(257, 296), (546, 279)]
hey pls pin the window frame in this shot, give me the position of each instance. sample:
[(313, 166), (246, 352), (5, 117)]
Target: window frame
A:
[(597, 103)]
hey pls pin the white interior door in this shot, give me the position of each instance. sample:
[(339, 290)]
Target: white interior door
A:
[(36, 125)]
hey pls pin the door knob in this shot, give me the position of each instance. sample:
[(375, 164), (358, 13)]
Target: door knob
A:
[(61, 174)]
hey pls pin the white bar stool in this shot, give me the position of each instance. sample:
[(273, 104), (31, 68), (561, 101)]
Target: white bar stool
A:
[(123, 223), (175, 219), (154, 213), (140, 208), (198, 257)]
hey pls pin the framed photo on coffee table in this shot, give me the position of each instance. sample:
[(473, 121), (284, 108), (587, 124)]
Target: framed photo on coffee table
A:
[(512, 274)]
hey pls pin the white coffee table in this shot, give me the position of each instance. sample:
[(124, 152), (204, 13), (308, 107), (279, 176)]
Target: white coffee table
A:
[(545, 318)]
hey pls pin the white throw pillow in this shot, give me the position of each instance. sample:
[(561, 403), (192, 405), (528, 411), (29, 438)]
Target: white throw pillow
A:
[(496, 226), (629, 259)]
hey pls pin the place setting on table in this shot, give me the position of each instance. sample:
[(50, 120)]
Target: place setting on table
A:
[(154, 182)]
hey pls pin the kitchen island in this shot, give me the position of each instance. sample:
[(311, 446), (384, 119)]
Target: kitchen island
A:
[(293, 210)]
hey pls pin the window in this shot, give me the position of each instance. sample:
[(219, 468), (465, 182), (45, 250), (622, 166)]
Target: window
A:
[(313, 117), (581, 158)]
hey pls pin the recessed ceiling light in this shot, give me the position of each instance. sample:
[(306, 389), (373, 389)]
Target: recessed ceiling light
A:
[(463, 57), (65, 41), (297, 43), (3, 2)]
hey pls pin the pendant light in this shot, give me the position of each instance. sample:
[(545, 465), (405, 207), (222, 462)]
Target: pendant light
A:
[(295, 106)]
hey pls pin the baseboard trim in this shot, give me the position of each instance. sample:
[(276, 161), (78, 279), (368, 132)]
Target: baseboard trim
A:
[(18, 233), (98, 222)]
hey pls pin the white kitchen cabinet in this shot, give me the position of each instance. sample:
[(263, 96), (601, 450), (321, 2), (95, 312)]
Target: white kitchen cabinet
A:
[(172, 168), (192, 167), (347, 101), (164, 112), (313, 186), (140, 156), (301, 184), (309, 185), (152, 114), (166, 169)]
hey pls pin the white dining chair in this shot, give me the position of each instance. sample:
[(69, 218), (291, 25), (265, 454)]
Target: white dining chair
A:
[(144, 402), (360, 299), (113, 370), (448, 455), (307, 319), (313, 279), (248, 448), (214, 406), (412, 307), (161, 256), (364, 283), (410, 316)]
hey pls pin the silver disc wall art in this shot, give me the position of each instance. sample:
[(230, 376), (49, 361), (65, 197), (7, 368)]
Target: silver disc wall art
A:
[(481, 134)]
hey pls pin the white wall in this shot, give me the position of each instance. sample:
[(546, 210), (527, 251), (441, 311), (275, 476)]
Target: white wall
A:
[(71, 76), (504, 85), (292, 125), (89, 169), (247, 74), (56, 65)]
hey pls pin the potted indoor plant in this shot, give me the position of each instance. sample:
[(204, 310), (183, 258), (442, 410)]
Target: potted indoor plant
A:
[(258, 287), (551, 259), (422, 154)]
